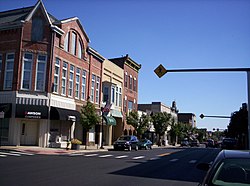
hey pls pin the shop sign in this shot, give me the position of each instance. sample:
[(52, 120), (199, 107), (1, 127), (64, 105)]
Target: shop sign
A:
[(33, 115)]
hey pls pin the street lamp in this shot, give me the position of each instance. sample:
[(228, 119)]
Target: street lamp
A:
[(161, 71), (202, 116)]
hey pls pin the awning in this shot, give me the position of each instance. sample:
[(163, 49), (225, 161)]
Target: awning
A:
[(6, 110), (64, 114), (109, 120), (31, 111)]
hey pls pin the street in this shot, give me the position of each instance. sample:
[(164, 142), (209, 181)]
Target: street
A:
[(161, 166)]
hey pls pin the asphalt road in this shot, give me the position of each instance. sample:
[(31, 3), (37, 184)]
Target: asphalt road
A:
[(172, 167)]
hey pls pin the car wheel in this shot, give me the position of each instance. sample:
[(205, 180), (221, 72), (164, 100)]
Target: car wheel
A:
[(130, 148)]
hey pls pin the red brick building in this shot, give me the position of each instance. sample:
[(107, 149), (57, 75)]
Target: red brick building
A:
[(47, 72)]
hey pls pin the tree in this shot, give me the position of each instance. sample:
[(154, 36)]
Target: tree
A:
[(89, 117), (140, 124), (161, 121)]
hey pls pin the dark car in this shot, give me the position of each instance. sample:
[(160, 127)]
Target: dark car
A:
[(194, 143), (145, 144), (184, 143), (126, 142), (229, 143), (230, 167), (210, 143)]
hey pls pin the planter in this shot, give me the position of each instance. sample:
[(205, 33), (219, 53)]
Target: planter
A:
[(75, 146)]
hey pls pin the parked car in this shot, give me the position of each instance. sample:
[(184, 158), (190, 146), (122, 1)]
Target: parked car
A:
[(184, 143), (145, 144), (210, 143), (229, 143), (126, 142), (230, 167), (194, 143)]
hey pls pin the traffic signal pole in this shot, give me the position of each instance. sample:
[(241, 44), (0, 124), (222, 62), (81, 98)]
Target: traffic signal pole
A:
[(161, 71)]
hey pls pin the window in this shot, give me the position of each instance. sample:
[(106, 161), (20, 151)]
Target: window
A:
[(84, 84), (56, 75), (4, 125), (27, 71), (77, 92), (125, 105), (79, 49), (116, 96), (130, 105), (66, 42), (1, 62), (64, 77), (126, 80), (120, 96), (9, 71), (130, 82), (37, 29), (92, 88), (105, 94), (97, 89), (41, 72), (135, 84), (71, 80), (73, 44), (113, 94)]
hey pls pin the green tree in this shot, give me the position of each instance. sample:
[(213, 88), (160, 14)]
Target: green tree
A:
[(140, 124), (161, 121), (89, 118)]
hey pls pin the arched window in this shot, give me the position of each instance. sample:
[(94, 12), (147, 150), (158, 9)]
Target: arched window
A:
[(80, 49), (66, 42)]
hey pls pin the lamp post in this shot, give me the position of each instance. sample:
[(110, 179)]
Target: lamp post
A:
[(202, 116), (102, 140), (161, 71)]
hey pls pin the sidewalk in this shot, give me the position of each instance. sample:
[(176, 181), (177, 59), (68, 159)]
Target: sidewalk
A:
[(63, 151)]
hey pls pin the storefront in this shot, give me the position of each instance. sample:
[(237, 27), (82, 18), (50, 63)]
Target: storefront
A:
[(5, 114)]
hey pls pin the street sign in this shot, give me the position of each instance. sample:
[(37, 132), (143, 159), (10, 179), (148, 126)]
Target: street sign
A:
[(160, 71)]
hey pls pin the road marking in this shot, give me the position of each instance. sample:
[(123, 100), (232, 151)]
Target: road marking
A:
[(105, 156), (76, 154), (138, 157), (157, 158), (3, 156), (165, 154), (119, 157), (23, 153), (193, 161), (89, 155), (9, 154), (173, 160)]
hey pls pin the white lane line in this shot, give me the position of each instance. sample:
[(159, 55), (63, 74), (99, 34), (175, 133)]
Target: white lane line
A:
[(138, 157), (119, 157), (9, 154), (157, 158), (3, 156), (105, 156), (89, 155), (173, 160), (193, 161), (23, 153), (75, 154)]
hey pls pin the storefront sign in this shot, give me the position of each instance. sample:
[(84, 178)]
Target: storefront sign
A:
[(33, 115)]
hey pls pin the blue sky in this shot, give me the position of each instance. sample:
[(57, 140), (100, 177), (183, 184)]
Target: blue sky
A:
[(177, 34)]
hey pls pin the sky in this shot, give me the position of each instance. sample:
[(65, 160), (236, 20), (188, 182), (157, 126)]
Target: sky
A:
[(179, 34)]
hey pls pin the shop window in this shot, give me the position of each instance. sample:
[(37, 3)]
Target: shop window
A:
[(4, 132)]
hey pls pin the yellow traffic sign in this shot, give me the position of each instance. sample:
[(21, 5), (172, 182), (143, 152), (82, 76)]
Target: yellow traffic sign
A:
[(160, 71)]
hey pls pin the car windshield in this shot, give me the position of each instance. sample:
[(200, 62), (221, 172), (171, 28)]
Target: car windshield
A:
[(233, 172), (124, 138)]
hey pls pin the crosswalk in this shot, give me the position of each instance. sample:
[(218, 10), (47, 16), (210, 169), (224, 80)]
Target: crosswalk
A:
[(4, 154)]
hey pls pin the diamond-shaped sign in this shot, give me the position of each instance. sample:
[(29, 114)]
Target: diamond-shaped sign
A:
[(160, 71)]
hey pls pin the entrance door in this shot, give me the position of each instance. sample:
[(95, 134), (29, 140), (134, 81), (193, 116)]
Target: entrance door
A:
[(29, 133)]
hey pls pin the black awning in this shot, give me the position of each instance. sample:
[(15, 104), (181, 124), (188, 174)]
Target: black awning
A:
[(6, 108), (31, 111), (64, 114)]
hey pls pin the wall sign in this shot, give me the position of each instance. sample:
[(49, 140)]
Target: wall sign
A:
[(33, 115)]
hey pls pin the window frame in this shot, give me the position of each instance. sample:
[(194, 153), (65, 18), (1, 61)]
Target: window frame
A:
[(77, 87), (64, 78), (43, 72), (93, 78), (97, 91), (73, 43), (71, 80), (9, 70), (56, 76), (84, 80)]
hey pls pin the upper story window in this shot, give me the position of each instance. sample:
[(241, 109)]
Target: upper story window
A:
[(64, 77), (105, 94), (73, 43), (120, 97), (84, 74), (37, 29), (92, 88), (130, 105), (77, 91), (97, 90), (66, 42), (113, 94), (9, 67), (27, 71), (135, 83), (71, 80), (126, 79), (130, 82), (41, 72), (56, 75), (79, 49)]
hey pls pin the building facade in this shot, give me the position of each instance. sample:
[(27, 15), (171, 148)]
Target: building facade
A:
[(187, 118), (47, 72)]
